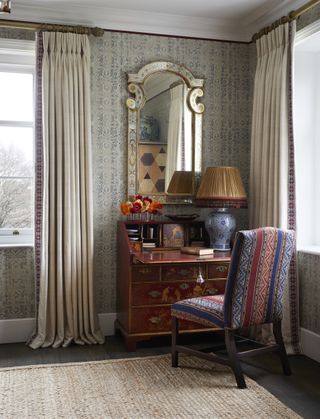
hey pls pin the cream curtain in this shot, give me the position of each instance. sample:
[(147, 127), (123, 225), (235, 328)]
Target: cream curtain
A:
[(174, 133), (66, 309), (269, 139), (187, 133), (272, 200)]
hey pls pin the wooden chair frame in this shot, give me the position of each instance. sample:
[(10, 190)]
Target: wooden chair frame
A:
[(233, 355)]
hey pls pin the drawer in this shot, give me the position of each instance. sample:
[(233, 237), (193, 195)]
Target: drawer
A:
[(156, 319), (181, 272), (170, 292), (218, 270), (145, 273)]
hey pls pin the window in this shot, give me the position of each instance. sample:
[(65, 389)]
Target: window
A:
[(307, 136), (16, 141)]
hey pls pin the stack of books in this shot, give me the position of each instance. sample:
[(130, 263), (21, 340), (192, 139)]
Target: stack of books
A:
[(148, 245)]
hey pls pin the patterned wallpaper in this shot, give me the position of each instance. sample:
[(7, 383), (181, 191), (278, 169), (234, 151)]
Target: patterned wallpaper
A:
[(16, 283), (228, 69), (309, 279)]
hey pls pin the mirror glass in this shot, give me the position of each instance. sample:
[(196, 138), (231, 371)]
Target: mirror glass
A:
[(164, 156), (165, 140)]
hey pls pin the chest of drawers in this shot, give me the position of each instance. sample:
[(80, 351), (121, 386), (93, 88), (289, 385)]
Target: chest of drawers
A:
[(150, 281)]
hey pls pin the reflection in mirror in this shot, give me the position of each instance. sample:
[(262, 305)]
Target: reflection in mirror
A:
[(165, 143), (181, 183), (164, 132)]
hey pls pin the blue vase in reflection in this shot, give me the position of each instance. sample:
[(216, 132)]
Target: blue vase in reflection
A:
[(149, 129)]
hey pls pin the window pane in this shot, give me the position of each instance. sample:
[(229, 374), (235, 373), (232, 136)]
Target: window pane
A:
[(16, 151), (16, 203), (16, 99)]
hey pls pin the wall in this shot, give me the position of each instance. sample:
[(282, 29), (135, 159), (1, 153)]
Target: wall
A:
[(228, 70), (16, 283), (309, 275)]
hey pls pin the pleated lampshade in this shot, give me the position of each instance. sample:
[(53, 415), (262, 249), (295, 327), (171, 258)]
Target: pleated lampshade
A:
[(181, 183), (222, 187)]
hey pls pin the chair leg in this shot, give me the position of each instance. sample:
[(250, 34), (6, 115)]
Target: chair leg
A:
[(282, 350), (175, 333), (234, 361)]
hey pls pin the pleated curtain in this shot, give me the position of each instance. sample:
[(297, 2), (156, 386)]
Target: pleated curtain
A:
[(272, 178), (63, 193), (174, 132)]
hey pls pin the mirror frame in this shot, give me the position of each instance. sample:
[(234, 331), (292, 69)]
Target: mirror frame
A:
[(135, 103)]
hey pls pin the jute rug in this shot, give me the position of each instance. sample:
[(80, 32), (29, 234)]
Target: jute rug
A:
[(133, 388)]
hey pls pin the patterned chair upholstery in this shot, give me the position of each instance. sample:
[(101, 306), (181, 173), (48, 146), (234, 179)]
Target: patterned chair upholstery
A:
[(254, 292)]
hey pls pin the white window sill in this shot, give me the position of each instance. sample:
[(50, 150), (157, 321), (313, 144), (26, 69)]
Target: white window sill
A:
[(311, 250), (8, 246)]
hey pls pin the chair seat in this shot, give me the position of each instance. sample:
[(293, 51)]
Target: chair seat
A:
[(207, 310)]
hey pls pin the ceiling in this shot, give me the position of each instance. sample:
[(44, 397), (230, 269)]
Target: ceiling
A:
[(235, 20)]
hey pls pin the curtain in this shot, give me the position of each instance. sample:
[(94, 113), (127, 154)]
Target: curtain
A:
[(174, 133), (63, 194), (272, 179), (187, 134)]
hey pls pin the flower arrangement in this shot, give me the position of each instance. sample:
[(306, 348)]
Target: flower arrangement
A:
[(139, 205)]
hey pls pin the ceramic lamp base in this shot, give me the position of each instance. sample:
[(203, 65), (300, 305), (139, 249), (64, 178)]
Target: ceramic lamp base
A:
[(220, 225)]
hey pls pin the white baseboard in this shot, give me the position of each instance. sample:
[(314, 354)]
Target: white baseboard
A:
[(20, 330), (16, 330), (310, 344)]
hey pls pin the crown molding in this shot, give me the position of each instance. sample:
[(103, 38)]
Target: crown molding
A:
[(240, 30), (270, 12), (132, 21)]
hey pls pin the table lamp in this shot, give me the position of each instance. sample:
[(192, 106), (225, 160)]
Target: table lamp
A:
[(181, 183), (221, 188)]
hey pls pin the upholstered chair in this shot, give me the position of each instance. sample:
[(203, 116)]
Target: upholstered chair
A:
[(253, 296)]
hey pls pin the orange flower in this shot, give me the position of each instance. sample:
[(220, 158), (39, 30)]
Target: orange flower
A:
[(126, 207), (154, 207)]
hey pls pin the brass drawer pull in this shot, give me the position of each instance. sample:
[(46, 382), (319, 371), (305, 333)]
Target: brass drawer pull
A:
[(154, 294), (222, 268)]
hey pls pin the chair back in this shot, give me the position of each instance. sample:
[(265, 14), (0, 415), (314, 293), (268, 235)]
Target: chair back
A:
[(259, 266)]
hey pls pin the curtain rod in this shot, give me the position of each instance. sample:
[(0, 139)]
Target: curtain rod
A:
[(82, 30), (291, 16)]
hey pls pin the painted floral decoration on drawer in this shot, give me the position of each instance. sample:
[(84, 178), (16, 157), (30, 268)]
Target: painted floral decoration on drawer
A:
[(139, 205)]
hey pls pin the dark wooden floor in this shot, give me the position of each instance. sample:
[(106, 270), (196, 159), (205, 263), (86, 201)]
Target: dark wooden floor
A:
[(301, 391)]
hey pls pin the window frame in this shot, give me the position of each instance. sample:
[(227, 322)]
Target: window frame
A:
[(18, 56), (307, 244)]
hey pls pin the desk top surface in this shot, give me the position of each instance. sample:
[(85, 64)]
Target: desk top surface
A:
[(178, 257)]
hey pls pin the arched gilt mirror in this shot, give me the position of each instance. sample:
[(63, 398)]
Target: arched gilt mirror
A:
[(164, 132)]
